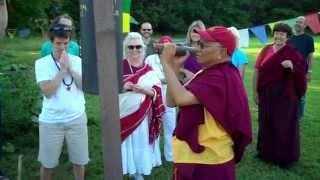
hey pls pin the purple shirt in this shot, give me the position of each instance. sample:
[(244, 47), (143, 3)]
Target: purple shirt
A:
[(192, 64)]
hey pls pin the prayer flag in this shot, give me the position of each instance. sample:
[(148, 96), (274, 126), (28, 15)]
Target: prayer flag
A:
[(271, 25), (313, 22), (126, 18), (125, 22), (244, 38), (291, 22), (260, 33)]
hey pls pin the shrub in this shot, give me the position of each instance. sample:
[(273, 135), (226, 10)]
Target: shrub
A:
[(20, 100)]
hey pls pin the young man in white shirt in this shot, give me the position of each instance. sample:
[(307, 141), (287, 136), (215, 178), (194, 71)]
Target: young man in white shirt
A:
[(63, 108)]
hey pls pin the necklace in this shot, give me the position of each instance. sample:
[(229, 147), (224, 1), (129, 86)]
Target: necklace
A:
[(130, 68), (68, 86)]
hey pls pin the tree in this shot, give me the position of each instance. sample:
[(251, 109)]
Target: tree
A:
[(175, 15), (24, 13)]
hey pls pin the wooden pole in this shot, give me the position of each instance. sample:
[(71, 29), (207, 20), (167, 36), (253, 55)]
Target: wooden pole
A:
[(105, 31), (3, 18)]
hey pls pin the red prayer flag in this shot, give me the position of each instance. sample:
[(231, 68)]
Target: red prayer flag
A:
[(313, 22)]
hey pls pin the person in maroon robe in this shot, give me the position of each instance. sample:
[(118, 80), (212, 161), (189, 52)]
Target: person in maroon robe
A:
[(214, 101), (279, 83)]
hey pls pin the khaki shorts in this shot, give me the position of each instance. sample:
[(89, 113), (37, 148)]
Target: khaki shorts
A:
[(51, 139)]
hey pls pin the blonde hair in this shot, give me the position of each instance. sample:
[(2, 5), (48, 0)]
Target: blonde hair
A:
[(195, 24), (130, 37)]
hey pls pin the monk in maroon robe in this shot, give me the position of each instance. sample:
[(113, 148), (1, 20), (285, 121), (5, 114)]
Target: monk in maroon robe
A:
[(214, 124), (280, 83)]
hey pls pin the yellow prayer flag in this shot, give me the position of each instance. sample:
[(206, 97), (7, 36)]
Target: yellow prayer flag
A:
[(125, 22), (271, 25)]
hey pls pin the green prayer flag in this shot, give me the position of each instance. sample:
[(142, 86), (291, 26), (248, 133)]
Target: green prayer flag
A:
[(126, 6), (291, 22), (133, 20)]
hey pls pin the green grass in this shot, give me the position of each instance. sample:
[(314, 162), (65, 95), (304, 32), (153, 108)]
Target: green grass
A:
[(250, 168)]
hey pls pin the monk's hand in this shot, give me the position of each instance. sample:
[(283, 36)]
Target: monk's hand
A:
[(168, 58), (168, 54), (179, 60), (287, 64)]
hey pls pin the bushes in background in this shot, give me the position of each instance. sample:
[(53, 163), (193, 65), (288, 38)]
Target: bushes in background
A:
[(20, 101)]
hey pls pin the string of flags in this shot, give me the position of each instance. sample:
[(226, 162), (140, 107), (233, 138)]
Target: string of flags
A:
[(260, 33)]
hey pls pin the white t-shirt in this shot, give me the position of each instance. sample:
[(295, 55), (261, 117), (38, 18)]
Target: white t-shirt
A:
[(65, 105), (154, 61)]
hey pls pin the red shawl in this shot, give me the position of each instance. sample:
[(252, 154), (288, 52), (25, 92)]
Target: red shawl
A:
[(150, 104)]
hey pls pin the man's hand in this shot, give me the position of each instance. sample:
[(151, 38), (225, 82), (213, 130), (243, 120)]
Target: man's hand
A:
[(65, 62)]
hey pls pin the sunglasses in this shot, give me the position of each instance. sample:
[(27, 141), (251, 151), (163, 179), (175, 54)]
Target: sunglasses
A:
[(61, 28), (131, 47), (146, 29)]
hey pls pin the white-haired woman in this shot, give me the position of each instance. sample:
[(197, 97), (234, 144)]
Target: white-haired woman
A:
[(141, 109), (239, 57)]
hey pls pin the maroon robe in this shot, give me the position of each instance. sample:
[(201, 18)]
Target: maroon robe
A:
[(220, 90), (279, 91)]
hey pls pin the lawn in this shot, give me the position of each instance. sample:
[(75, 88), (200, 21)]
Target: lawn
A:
[(26, 51)]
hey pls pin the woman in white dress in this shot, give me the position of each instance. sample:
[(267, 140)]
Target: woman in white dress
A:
[(141, 109)]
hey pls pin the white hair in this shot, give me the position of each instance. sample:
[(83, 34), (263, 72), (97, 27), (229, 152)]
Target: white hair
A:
[(130, 37), (301, 18), (236, 34)]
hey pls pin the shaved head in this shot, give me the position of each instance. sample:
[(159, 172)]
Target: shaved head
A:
[(300, 25), (146, 30)]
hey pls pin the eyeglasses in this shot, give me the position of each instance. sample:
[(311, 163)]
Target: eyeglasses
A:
[(202, 45), (146, 29), (131, 47)]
